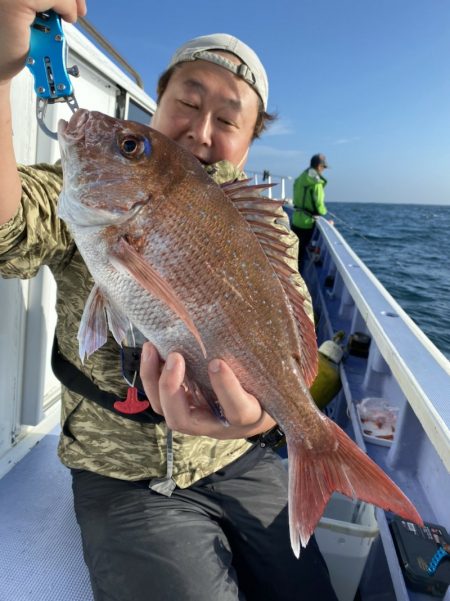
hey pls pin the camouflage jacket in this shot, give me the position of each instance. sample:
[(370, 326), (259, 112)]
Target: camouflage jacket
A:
[(94, 438)]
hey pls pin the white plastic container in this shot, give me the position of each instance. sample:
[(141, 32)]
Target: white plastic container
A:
[(378, 419), (344, 535)]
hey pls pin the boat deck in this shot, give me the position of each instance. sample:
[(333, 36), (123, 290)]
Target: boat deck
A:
[(40, 551)]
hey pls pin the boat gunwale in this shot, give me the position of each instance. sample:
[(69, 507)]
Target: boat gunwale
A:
[(424, 381)]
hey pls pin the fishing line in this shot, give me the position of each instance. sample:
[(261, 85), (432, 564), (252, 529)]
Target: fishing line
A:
[(355, 231), (133, 382), (350, 227)]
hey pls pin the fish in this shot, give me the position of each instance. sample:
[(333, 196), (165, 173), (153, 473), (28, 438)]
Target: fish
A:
[(199, 268)]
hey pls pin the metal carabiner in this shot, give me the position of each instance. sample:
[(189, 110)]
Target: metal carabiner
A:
[(47, 62)]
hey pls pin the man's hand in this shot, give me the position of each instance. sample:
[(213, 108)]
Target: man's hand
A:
[(16, 16), (164, 388)]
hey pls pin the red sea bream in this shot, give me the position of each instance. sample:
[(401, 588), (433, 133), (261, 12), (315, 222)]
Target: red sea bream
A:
[(198, 268)]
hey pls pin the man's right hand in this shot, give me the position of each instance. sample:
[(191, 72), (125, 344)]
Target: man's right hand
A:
[(16, 16)]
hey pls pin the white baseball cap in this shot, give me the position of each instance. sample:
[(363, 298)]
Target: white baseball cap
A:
[(251, 70)]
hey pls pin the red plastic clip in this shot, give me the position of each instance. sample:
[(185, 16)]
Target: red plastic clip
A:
[(131, 404)]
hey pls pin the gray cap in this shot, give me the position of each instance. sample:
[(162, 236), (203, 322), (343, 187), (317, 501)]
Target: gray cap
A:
[(319, 159), (251, 70)]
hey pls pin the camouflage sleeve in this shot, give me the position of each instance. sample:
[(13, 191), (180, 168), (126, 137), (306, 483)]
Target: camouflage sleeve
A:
[(35, 236), (223, 172), (298, 280)]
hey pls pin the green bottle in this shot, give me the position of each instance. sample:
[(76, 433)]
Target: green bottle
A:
[(328, 380)]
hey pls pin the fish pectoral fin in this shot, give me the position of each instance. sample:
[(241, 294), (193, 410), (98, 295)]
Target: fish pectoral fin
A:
[(125, 258), (93, 329)]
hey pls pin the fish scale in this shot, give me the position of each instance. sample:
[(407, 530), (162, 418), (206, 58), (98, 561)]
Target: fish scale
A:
[(201, 269)]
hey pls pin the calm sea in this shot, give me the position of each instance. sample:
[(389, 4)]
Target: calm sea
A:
[(407, 247)]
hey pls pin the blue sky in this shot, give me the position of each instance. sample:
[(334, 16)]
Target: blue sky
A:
[(367, 82)]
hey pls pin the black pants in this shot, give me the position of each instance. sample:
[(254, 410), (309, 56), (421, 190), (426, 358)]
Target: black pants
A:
[(223, 539), (304, 237)]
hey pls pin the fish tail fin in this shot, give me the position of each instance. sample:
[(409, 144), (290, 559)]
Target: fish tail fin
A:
[(313, 477)]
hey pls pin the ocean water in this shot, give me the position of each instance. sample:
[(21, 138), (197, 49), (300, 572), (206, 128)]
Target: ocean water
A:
[(407, 248)]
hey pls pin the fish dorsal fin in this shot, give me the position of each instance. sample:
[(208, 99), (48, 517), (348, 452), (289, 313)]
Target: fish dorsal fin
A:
[(263, 216)]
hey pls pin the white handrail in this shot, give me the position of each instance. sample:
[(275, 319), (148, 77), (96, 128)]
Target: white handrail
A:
[(271, 178)]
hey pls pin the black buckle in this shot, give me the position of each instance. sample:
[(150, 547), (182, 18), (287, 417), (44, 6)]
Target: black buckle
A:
[(273, 438), (131, 363)]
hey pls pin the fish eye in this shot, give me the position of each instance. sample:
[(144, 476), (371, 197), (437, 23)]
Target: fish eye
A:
[(133, 147), (129, 146)]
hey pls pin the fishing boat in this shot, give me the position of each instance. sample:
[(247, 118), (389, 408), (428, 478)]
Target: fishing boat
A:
[(384, 359)]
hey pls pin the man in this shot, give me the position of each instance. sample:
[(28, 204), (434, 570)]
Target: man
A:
[(181, 508), (309, 201)]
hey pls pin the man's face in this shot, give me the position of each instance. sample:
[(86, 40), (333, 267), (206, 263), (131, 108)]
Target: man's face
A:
[(209, 111)]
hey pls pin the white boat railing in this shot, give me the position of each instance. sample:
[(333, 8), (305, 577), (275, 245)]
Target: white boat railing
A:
[(278, 190)]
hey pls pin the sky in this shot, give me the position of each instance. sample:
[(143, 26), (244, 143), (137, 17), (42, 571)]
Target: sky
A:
[(366, 82)]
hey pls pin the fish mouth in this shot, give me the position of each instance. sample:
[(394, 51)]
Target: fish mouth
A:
[(74, 129)]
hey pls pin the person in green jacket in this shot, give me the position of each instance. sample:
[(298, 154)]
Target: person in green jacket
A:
[(309, 201)]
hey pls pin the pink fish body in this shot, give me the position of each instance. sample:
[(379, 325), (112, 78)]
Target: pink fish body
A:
[(199, 269)]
